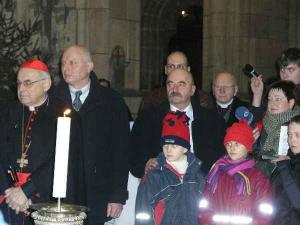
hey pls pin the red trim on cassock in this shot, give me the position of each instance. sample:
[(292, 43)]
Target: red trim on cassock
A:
[(23, 178)]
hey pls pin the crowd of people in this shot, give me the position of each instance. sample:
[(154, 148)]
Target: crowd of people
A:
[(199, 163)]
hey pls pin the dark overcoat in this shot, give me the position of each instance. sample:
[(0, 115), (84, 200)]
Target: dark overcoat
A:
[(231, 111), (208, 130), (41, 154), (286, 191), (105, 130)]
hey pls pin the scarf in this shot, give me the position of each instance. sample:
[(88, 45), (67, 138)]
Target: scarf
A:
[(272, 124), (233, 169)]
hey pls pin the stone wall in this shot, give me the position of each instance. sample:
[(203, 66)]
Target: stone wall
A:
[(237, 32), (100, 25)]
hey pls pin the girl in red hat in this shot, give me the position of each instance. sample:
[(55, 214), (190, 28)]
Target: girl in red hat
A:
[(236, 192)]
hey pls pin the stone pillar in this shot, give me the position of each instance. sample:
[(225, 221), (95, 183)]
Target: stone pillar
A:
[(240, 32)]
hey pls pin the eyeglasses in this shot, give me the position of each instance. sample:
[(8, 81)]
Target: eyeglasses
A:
[(28, 83), (225, 88), (176, 66)]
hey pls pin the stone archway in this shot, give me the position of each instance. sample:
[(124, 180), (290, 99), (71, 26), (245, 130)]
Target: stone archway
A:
[(158, 25)]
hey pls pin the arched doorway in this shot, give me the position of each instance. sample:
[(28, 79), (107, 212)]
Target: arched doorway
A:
[(164, 28)]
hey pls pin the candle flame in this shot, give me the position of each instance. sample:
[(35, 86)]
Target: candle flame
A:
[(67, 112)]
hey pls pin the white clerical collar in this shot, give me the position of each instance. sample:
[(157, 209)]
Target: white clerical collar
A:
[(85, 91), (224, 105)]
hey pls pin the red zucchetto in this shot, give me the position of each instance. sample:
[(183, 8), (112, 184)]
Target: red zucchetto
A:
[(35, 64)]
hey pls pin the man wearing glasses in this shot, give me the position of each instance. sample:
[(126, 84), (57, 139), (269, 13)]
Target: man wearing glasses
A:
[(175, 60), (27, 145), (224, 89)]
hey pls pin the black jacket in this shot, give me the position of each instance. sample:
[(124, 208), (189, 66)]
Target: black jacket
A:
[(286, 191), (208, 131), (231, 111), (105, 130), (40, 153)]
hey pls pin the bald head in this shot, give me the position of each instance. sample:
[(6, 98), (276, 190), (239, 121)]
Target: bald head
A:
[(83, 51), (180, 88), (176, 60), (224, 87), (76, 66)]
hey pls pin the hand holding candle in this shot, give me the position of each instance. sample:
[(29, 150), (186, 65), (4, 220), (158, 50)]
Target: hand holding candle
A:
[(61, 156)]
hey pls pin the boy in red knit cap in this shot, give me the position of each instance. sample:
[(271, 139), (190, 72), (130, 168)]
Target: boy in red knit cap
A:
[(236, 192), (170, 193)]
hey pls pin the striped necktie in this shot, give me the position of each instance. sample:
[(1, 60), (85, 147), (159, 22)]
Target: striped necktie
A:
[(77, 103)]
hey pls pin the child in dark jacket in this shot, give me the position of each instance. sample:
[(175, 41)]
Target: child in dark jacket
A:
[(286, 180), (170, 193), (236, 192)]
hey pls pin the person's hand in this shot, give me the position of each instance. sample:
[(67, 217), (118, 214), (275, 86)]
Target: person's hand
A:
[(257, 87), (114, 210), (25, 207), (280, 158), (16, 199), (150, 164)]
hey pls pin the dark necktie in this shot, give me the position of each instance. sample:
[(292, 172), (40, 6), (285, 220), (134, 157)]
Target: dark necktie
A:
[(77, 103)]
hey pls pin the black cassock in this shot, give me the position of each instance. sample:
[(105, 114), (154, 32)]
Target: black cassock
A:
[(38, 129)]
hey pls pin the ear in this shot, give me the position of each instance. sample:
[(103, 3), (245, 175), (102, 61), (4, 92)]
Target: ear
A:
[(236, 89), (90, 66), (189, 68), (166, 71), (47, 84), (292, 103), (185, 150), (193, 89)]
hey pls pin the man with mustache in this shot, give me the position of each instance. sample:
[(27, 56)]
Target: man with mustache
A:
[(206, 127), (175, 60)]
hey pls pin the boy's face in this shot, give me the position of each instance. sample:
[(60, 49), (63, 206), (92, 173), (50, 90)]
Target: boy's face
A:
[(236, 151), (291, 73), (294, 137), (278, 102), (174, 153)]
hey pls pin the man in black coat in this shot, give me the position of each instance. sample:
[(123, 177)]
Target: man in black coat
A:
[(27, 146), (207, 128), (224, 89), (105, 129)]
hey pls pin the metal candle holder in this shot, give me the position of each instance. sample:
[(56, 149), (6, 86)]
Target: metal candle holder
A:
[(51, 214)]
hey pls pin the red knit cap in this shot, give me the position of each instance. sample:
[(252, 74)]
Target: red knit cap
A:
[(175, 130), (35, 64), (240, 132)]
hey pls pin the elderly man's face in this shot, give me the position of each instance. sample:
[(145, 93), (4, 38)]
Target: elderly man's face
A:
[(75, 67), (180, 88), (32, 88), (224, 88)]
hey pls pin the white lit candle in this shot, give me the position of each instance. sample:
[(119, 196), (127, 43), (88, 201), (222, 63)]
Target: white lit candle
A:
[(61, 156)]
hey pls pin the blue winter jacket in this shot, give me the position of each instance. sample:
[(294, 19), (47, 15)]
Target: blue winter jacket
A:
[(164, 199)]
